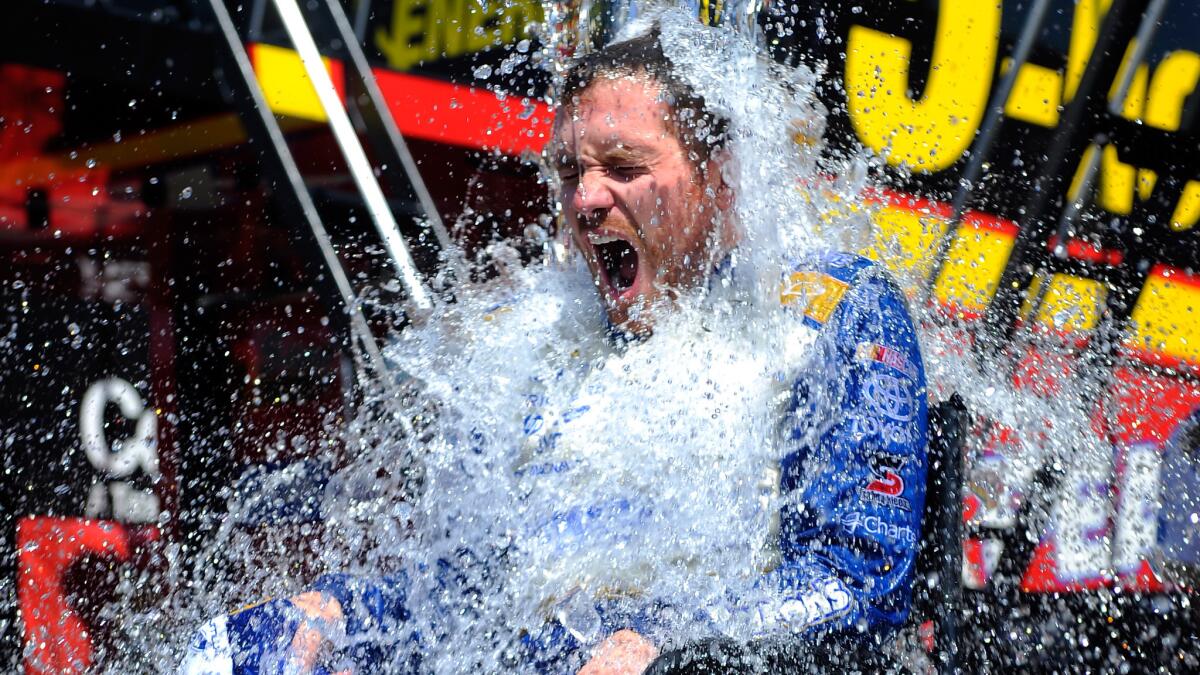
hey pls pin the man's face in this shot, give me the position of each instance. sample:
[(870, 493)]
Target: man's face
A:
[(649, 223)]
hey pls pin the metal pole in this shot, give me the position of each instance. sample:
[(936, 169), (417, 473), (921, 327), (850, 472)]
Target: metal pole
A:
[(362, 16), (352, 150), (952, 420), (1144, 36), (1120, 25), (359, 61), (1107, 333), (1077, 199), (257, 12), (987, 137), (1116, 107), (265, 120)]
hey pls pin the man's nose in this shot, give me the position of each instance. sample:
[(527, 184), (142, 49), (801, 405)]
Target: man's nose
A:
[(592, 199)]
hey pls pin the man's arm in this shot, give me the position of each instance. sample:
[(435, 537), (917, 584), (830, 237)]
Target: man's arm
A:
[(344, 621), (853, 481), (623, 653), (853, 486), (276, 635)]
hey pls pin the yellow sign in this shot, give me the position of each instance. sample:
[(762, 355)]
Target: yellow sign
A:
[(285, 82), (424, 31), (1163, 320), (931, 133)]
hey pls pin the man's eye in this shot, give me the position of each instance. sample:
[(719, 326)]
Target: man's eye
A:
[(568, 175), (627, 172)]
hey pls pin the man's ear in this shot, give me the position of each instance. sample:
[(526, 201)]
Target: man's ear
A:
[(722, 176), (722, 170)]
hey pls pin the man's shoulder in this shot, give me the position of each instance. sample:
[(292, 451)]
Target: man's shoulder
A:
[(841, 265), (844, 266), (817, 285)]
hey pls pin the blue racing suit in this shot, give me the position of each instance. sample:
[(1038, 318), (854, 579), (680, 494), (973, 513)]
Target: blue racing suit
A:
[(852, 486), (856, 470)]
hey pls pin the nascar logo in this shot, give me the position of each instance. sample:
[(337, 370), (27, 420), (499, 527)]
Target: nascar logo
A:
[(867, 352)]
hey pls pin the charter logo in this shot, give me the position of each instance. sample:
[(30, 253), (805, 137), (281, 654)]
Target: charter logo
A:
[(860, 523)]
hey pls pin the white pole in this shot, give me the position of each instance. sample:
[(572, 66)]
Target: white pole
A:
[(352, 150)]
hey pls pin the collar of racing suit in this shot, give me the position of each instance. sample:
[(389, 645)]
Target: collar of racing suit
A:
[(723, 284)]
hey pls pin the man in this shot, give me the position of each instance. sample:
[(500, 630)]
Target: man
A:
[(647, 197)]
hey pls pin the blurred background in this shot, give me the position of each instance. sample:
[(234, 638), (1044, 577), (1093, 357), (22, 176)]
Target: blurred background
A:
[(173, 194)]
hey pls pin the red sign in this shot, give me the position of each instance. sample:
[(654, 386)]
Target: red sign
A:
[(59, 640)]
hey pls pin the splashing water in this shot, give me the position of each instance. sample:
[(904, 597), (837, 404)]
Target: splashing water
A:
[(535, 469), (561, 472), (527, 468), (603, 496)]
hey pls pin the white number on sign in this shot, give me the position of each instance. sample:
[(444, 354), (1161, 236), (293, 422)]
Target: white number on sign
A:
[(122, 458)]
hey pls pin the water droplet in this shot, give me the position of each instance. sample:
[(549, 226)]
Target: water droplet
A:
[(483, 72)]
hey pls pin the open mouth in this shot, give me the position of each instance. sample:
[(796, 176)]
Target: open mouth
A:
[(619, 259)]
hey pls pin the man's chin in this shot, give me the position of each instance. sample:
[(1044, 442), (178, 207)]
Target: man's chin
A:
[(636, 320), (635, 328)]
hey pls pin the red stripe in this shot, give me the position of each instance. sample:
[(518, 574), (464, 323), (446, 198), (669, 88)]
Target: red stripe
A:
[(436, 110), (986, 221), (439, 111), (1088, 252), (911, 202), (977, 219), (1179, 365), (1176, 275)]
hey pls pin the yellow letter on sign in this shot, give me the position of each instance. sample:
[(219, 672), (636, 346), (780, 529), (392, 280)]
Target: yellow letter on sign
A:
[(932, 133)]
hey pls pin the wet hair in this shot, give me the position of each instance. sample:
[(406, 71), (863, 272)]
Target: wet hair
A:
[(699, 129)]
